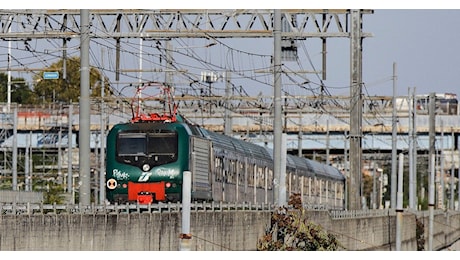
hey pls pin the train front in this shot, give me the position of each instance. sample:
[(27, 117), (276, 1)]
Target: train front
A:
[(145, 162)]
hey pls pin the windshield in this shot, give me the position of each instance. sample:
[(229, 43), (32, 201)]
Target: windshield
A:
[(131, 144), (162, 143), (153, 148)]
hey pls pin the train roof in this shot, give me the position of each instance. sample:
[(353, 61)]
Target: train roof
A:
[(314, 167), (325, 170), (264, 153), (233, 144)]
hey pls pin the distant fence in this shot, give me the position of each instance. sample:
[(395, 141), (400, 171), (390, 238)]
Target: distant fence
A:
[(11, 196)]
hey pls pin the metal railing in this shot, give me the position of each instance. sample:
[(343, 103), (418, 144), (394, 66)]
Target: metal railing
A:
[(353, 214), (37, 208)]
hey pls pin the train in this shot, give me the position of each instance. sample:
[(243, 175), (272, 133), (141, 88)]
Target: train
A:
[(147, 156)]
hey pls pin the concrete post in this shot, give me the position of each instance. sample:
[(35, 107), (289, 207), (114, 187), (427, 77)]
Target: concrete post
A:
[(185, 236)]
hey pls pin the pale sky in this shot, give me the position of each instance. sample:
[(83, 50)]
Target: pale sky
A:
[(424, 44)]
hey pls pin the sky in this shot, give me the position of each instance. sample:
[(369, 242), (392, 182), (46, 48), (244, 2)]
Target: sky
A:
[(424, 45), (422, 40)]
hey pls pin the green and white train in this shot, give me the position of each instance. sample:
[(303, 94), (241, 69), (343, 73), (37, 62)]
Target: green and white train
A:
[(147, 156)]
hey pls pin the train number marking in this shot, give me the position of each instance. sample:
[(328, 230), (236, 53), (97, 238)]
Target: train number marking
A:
[(144, 177)]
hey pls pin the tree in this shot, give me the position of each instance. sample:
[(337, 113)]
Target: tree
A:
[(20, 91), (68, 89)]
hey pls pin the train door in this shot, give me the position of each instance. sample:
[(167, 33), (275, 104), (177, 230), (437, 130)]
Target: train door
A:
[(200, 165)]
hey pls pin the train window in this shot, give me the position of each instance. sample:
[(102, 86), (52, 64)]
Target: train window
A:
[(232, 172), (270, 179), (288, 180), (266, 180), (307, 184), (315, 188), (321, 189), (229, 171), (294, 183), (241, 173), (162, 143), (218, 163), (131, 144), (260, 177), (251, 176), (219, 169)]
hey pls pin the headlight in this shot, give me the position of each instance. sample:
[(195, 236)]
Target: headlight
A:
[(145, 167), (111, 184)]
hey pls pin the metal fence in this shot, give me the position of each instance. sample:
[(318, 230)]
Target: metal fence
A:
[(11, 196), (39, 208)]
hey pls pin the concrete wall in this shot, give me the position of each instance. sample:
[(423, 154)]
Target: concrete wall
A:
[(211, 231)]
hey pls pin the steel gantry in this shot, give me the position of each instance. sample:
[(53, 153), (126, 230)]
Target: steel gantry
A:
[(163, 24)]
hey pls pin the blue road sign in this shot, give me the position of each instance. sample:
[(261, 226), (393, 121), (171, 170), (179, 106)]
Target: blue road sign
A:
[(51, 75)]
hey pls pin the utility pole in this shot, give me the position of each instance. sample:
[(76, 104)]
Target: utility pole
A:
[(84, 129), (452, 168), (458, 185), (277, 127), (8, 92), (70, 184), (328, 162), (356, 107), (300, 134), (374, 185), (15, 148), (441, 172), (227, 117), (432, 167), (102, 140), (346, 168), (414, 150), (431, 200), (393, 144), (432, 139), (411, 102), (399, 206)]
